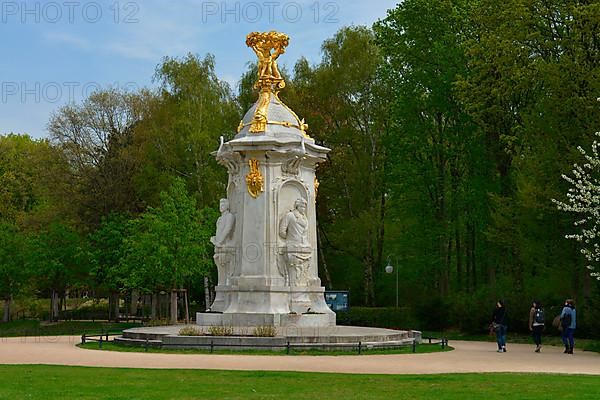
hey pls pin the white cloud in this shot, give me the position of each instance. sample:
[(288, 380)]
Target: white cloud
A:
[(63, 38)]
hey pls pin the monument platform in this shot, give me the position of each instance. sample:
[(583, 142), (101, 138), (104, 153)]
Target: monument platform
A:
[(309, 337)]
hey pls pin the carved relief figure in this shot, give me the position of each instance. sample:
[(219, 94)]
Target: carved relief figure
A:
[(223, 251), (297, 250)]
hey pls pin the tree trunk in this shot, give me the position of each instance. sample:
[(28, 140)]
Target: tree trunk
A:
[(6, 316), (368, 281), (368, 265), (473, 260), (322, 259), (133, 305), (187, 308), (154, 314), (173, 306), (63, 306), (459, 272), (446, 261), (54, 306), (381, 233), (116, 306)]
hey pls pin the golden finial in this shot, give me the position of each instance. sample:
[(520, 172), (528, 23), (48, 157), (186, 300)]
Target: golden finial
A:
[(268, 46)]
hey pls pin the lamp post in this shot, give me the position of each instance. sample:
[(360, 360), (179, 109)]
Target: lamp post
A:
[(389, 268)]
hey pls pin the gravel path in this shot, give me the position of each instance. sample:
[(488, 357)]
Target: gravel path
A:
[(467, 357)]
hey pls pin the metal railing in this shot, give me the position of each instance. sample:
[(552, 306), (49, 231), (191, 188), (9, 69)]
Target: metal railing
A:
[(360, 347), (100, 338)]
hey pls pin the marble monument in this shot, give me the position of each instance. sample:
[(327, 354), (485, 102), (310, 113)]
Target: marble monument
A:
[(266, 238)]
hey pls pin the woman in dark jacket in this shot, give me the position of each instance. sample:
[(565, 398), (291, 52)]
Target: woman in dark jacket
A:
[(500, 325), (536, 324)]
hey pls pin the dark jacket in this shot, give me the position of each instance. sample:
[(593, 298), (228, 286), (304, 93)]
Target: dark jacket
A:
[(499, 316)]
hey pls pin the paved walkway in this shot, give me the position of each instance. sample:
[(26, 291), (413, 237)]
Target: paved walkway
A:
[(467, 357)]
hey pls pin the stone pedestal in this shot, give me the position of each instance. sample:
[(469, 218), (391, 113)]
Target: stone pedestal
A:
[(268, 263)]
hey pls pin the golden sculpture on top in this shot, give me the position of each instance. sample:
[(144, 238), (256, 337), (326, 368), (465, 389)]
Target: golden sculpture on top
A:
[(268, 46)]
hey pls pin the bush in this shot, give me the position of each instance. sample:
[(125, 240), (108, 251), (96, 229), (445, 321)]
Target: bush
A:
[(219, 330), (265, 331), (191, 331)]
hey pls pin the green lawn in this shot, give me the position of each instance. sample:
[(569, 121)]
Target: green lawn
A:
[(425, 348), (75, 328), (53, 382)]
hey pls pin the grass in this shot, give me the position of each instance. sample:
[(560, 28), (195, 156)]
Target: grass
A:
[(74, 328), (424, 348), (550, 338), (84, 383)]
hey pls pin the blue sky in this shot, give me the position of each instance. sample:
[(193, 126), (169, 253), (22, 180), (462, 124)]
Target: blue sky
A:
[(54, 52)]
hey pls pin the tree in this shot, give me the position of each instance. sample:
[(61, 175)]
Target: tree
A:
[(193, 110), (169, 245), (30, 179), (532, 90), (13, 269), (59, 262), (437, 164), (96, 139), (583, 200), (344, 102), (107, 247)]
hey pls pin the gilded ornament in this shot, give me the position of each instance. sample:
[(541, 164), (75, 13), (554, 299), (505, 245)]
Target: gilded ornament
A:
[(254, 179), (268, 46)]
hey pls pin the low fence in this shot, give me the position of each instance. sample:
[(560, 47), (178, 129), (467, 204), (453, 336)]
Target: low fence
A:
[(100, 338), (359, 347)]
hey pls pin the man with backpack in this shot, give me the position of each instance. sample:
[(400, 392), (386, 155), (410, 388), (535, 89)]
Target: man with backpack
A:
[(536, 324), (568, 323)]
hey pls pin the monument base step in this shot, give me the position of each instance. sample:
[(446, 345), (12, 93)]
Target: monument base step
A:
[(261, 319)]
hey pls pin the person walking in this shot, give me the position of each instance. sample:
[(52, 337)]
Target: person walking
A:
[(500, 325), (536, 324), (568, 323)]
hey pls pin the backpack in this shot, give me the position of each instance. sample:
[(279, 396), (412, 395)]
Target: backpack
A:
[(566, 320), (538, 317)]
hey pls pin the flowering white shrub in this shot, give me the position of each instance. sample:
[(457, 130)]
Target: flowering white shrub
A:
[(583, 199)]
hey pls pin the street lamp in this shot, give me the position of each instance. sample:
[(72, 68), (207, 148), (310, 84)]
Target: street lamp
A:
[(389, 268)]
